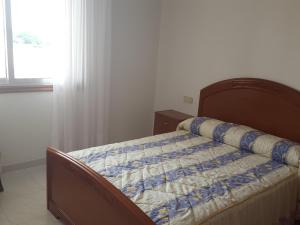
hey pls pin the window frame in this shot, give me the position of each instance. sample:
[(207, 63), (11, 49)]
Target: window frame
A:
[(10, 83)]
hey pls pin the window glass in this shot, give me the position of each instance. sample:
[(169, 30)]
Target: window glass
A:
[(35, 26), (2, 43)]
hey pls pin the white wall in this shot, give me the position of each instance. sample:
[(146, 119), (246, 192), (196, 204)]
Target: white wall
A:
[(24, 126), (25, 118), (135, 33), (204, 41)]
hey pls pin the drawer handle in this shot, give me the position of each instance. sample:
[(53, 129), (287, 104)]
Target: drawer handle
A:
[(166, 123)]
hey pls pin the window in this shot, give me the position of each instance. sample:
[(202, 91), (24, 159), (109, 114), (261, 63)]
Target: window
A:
[(30, 33)]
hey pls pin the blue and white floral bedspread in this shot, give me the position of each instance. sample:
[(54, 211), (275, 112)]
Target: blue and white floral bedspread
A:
[(188, 176)]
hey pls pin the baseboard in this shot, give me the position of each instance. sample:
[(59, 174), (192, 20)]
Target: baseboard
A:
[(24, 165)]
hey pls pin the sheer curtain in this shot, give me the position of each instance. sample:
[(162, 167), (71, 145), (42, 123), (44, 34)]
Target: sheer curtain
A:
[(81, 91)]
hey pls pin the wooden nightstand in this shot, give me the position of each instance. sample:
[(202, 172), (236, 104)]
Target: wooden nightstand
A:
[(167, 121)]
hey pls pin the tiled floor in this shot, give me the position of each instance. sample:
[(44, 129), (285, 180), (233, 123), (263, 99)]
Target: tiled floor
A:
[(24, 200)]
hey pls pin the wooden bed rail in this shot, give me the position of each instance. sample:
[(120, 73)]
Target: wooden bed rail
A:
[(79, 196)]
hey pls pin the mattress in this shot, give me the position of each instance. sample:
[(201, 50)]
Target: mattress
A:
[(201, 174)]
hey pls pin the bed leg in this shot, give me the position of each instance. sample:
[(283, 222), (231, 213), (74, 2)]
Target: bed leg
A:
[(297, 216), (1, 186)]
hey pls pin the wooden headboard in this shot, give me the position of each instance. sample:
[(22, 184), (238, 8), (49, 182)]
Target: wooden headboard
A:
[(262, 104)]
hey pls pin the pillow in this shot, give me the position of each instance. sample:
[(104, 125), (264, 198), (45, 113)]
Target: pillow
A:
[(245, 138)]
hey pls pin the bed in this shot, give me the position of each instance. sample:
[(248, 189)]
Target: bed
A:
[(97, 185)]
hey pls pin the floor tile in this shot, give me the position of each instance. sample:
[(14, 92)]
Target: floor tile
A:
[(23, 201)]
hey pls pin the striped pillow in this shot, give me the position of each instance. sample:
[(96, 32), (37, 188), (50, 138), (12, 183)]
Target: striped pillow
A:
[(245, 138)]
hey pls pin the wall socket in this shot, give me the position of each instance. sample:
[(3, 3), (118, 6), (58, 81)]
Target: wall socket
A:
[(188, 99)]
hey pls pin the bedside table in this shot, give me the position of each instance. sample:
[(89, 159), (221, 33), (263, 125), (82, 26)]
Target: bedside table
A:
[(167, 121)]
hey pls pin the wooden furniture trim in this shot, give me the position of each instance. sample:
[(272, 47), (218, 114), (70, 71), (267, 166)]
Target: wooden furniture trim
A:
[(175, 115), (78, 195), (25, 88), (262, 104)]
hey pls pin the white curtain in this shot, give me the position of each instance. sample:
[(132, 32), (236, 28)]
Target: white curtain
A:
[(81, 91)]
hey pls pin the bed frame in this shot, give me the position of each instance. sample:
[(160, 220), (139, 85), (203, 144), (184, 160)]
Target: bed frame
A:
[(78, 195)]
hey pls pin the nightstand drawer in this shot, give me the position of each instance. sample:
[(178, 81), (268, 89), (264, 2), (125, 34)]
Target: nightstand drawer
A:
[(164, 124), (167, 121)]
